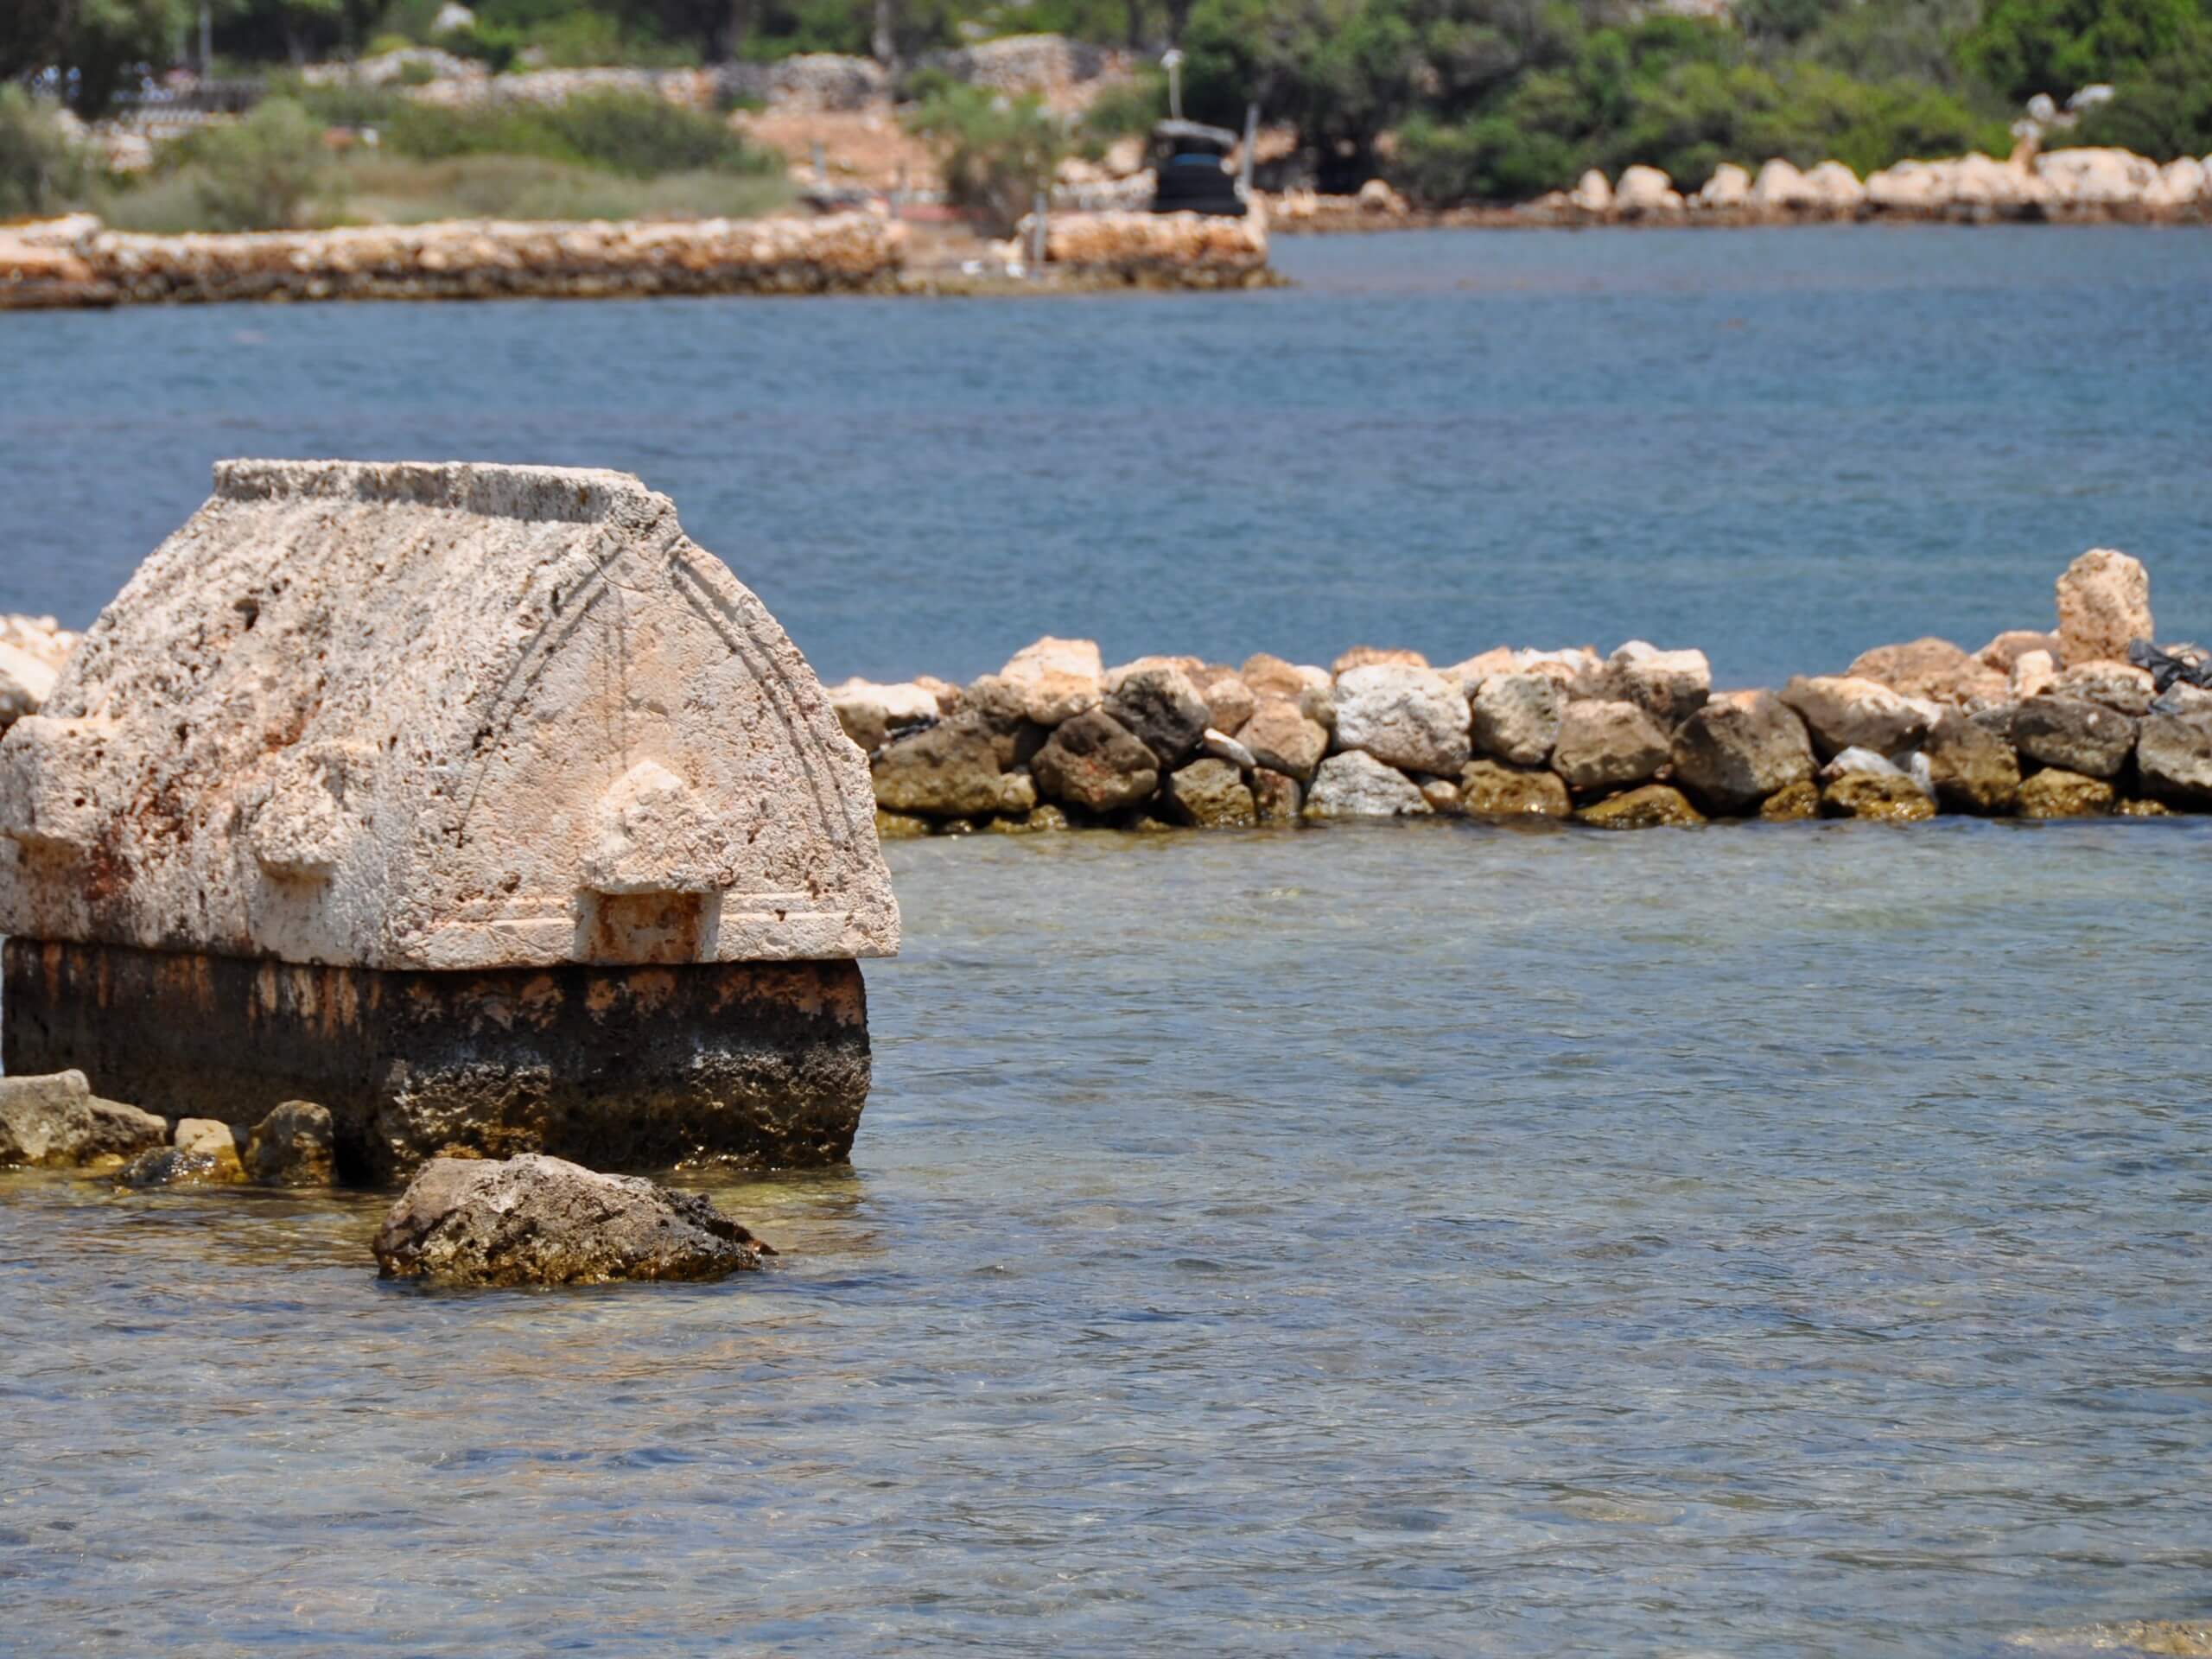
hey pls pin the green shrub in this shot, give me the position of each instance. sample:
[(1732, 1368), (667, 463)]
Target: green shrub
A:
[(2164, 113), (2025, 46), (258, 173), (995, 152), (638, 135), (42, 171)]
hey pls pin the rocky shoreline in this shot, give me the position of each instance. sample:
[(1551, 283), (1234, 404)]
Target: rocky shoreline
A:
[(2091, 720), (77, 263)]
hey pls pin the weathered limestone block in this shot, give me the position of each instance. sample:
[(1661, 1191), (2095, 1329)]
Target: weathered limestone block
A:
[(870, 713), (1060, 678), (2074, 735), (1210, 794), (1668, 685), (2034, 672), (1844, 712), (534, 1220), (1930, 667), (1283, 739), (1095, 762), (1735, 752), (56, 1122), (1229, 701), (1354, 785), (1404, 715), (2008, 647), (950, 770), (1163, 709), (2173, 752), (2121, 687), (1606, 746), (1973, 769), (1655, 806), (475, 802), (2104, 605), (1516, 718), (1377, 656), (1503, 794)]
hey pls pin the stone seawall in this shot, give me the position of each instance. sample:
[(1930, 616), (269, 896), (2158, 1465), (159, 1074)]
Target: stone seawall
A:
[(2088, 720)]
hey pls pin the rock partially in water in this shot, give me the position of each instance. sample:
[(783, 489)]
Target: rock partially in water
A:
[(1655, 806), (1210, 794), (173, 1167), (1860, 760), (1972, 769), (1503, 794), (2104, 607), (2166, 1639), (950, 770), (1354, 785), (899, 826), (2057, 793), (1738, 751), (2073, 734), (1095, 762), (56, 1122), (1608, 745), (1277, 796), (1792, 803), (1044, 819), (536, 1220), (1887, 797), (295, 1146)]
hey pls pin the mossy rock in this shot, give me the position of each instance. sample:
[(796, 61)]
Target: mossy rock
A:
[(1880, 796), (2057, 793), (1792, 803), (1655, 806)]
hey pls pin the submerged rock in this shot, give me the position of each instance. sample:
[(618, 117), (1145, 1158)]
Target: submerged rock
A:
[(1354, 785), (1404, 715), (1095, 762), (2074, 735), (535, 1220), (1890, 797), (1655, 806), (2104, 607), (56, 1122), (2057, 793), (1737, 752), (1792, 804), (1607, 745), (1503, 794), (294, 1146), (2153, 1638)]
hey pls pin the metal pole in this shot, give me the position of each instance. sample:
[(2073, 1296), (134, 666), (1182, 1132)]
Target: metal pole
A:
[(1251, 143), (1174, 60)]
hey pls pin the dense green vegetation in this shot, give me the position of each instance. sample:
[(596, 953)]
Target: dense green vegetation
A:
[(1454, 99)]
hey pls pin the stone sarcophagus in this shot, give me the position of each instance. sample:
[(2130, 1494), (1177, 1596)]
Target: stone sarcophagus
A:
[(473, 802)]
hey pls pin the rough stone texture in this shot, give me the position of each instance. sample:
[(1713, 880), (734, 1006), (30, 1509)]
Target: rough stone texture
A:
[(1354, 785), (2104, 605), (56, 1122), (1972, 768), (869, 713), (1442, 795), (1735, 752), (2034, 672), (1860, 760), (1058, 678), (1890, 797), (2057, 793), (2008, 647), (1221, 747), (1403, 715), (1182, 250), (2140, 808), (999, 707), (180, 1166), (1274, 677), (1655, 806), (1095, 762), (1473, 671), (760, 1064), (1502, 794), (1668, 685), (2120, 687), (950, 771), (1163, 709), (1039, 820), (1283, 739), (1374, 657), (1931, 668), (2173, 753), (2073, 735), (1792, 803), (1229, 701), (1277, 796), (899, 826), (1606, 746), (418, 716), (26, 682), (1843, 712), (1210, 794), (534, 1220), (294, 1146), (1190, 667), (1516, 718)]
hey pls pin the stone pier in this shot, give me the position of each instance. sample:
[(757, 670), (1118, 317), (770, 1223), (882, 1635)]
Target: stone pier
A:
[(474, 803)]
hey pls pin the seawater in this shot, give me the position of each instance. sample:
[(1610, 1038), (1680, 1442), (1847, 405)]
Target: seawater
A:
[(1417, 1239), (1783, 446)]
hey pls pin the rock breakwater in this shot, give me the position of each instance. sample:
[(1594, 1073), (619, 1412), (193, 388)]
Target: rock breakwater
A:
[(2091, 719)]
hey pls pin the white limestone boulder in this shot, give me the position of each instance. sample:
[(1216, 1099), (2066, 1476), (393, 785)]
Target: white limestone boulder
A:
[(2104, 605), (1405, 716)]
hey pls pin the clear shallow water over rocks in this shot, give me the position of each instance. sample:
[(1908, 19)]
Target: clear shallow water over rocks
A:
[(1422, 1239), (1781, 446)]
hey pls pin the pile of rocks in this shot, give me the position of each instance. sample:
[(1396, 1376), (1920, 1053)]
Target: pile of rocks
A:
[(1147, 249), (694, 89), (1052, 66), (483, 259), (56, 1122), (2037, 724), (808, 80), (32, 651)]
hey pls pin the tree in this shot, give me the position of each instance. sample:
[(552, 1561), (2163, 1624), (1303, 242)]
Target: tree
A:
[(2025, 46), (995, 152), (258, 174)]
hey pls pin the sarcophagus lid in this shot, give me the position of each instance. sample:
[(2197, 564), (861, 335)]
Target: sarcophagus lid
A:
[(440, 716)]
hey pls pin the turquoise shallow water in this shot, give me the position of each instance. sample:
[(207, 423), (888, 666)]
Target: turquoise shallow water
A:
[(1783, 446), (1420, 1240)]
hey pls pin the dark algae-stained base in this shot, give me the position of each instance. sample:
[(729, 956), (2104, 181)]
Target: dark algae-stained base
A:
[(761, 1064)]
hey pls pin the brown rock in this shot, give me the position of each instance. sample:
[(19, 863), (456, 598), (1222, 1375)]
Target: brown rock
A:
[(56, 1122), (1039, 820), (2008, 647), (1499, 794), (899, 826), (1283, 739), (1735, 752), (2072, 734), (2104, 605), (1272, 676), (2142, 808), (2057, 793), (2120, 687), (950, 770), (1094, 762), (1277, 796), (1163, 709), (1655, 806), (1229, 701), (1973, 769), (1792, 803), (1605, 746), (1210, 794), (1844, 712), (1888, 796), (1368, 656), (1060, 678), (294, 1146), (1930, 667)]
